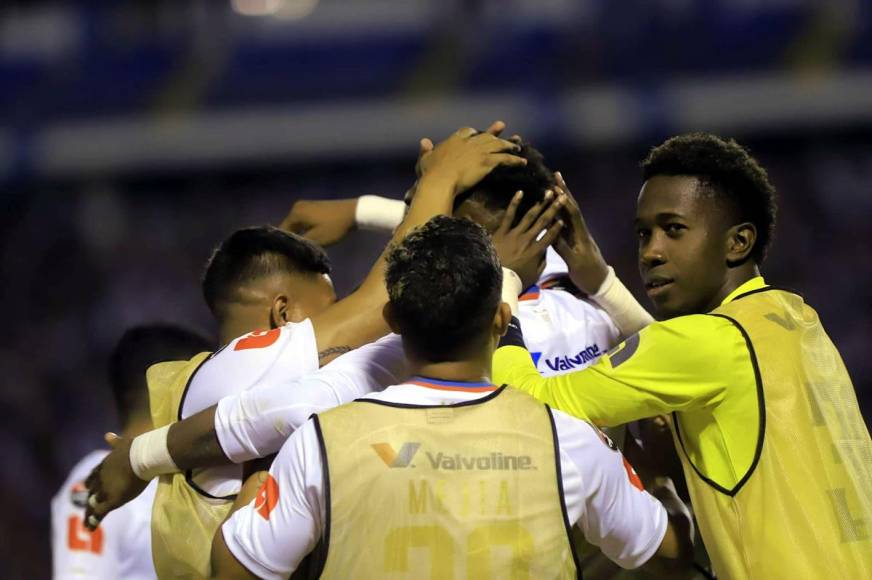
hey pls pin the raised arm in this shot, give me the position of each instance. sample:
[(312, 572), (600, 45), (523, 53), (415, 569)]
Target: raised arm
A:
[(455, 164)]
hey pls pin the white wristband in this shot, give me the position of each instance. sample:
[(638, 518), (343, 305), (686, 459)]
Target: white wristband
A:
[(379, 213), (623, 308), (149, 455), (512, 288)]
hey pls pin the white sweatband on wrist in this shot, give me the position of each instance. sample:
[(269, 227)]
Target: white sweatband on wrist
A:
[(149, 455), (623, 308), (512, 288), (378, 213)]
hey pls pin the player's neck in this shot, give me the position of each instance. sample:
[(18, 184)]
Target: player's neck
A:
[(735, 278), (469, 370), (233, 327)]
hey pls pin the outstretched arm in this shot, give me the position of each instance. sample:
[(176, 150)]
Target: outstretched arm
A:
[(455, 164), (675, 365)]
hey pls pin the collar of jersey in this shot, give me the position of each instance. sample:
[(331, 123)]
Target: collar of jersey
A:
[(755, 283), (469, 387), (531, 293)]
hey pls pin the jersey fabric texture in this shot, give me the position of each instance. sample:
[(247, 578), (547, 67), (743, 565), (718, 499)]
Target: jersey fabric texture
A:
[(190, 506), (289, 518), (776, 454), (477, 485), (564, 333), (119, 548)]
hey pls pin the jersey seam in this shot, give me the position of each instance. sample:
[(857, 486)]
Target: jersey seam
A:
[(412, 406), (559, 473), (761, 409), (764, 289), (328, 515)]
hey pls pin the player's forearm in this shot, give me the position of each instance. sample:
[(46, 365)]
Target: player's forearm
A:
[(513, 366), (622, 307), (192, 443), (357, 319), (677, 544)]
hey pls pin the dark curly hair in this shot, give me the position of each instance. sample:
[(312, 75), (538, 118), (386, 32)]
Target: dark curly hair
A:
[(139, 348), (444, 285), (253, 252), (496, 190), (727, 170)]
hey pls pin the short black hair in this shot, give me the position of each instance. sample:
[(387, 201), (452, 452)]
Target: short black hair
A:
[(726, 169), (444, 285), (139, 348), (253, 252), (496, 190)]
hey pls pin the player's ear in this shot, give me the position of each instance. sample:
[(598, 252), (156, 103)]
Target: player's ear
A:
[(388, 315), (502, 318), (740, 241), (279, 312)]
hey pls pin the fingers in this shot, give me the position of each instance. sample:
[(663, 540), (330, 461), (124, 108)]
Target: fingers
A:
[(534, 212), (511, 211), (112, 439), (550, 236), (425, 146), (466, 132), (547, 217), (506, 159), (496, 128)]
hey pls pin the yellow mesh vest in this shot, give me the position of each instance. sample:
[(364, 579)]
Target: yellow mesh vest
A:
[(462, 491), (804, 509), (183, 521)]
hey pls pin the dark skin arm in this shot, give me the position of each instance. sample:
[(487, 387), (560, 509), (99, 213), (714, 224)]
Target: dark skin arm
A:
[(455, 164)]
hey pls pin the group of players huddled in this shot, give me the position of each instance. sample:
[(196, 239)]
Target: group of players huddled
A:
[(462, 413)]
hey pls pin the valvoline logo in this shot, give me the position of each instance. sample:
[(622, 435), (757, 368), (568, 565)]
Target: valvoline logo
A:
[(393, 459), (566, 363)]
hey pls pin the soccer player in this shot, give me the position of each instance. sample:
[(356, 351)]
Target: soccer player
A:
[(446, 474), (121, 548), (275, 281), (565, 329), (776, 455)]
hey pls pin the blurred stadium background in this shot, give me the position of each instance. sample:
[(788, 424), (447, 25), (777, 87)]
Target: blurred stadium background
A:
[(135, 135)]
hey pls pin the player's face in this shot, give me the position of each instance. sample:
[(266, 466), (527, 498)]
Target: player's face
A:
[(682, 246)]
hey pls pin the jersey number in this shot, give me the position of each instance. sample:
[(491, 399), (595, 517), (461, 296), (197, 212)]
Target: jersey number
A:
[(478, 549), (258, 339), (81, 539)]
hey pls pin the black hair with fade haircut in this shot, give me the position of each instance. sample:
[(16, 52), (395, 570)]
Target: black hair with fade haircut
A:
[(444, 285), (254, 252), (727, 170), (139, 348), (496, 190)]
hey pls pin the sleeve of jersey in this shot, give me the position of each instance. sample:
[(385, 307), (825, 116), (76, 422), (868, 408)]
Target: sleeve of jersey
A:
[(272, 534), (283, 353), (676, 365), (616, 514), (256, 422)]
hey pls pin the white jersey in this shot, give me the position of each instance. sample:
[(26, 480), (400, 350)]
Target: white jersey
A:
[(119, 548), (602, 493), (262, 357), (564, 333)]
